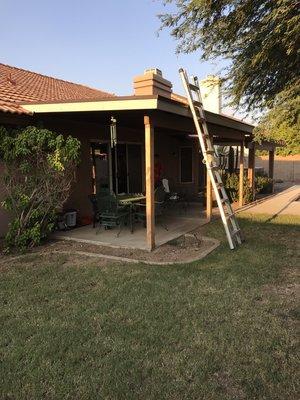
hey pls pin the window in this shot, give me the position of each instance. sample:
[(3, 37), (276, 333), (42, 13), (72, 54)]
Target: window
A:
[(186, 165)]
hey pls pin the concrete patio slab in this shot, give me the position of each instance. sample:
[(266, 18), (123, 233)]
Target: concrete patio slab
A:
[(177, 226)]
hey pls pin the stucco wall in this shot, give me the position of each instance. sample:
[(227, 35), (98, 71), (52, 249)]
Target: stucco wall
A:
[(168, 148), (285, 168)]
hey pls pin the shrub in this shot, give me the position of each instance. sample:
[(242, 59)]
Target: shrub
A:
[(39, 169), (231, 183), (263, 184)]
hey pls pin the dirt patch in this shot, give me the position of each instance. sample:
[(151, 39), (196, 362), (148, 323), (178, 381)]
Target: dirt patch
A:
[(184, 249), (35, 258), (288, 294), (289, 290), (187, 248)]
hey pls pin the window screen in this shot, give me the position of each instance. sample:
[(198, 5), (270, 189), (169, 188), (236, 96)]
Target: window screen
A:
[(186, 164)]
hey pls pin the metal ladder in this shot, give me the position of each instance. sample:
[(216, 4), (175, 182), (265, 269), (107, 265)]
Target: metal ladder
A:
[(232, 229)]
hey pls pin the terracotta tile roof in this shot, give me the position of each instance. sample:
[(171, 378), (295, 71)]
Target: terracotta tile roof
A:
[(19, 86)]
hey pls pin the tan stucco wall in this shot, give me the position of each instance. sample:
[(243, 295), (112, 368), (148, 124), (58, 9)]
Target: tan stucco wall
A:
[(168, 148), (285, 168)]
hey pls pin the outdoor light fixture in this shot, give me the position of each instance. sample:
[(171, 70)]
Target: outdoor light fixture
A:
[(113, 143), (113, 132)]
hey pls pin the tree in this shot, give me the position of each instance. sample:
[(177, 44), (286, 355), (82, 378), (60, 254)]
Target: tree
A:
[(282, 122), (39, 169), (260, 38)]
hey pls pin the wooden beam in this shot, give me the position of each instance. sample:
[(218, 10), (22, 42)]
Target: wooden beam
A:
[(241, 178), (271, 166), (208, 197), (149, 161), (110, 104), (251, 170)]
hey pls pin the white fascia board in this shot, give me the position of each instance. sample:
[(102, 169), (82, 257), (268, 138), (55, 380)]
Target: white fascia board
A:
[(103, 105)]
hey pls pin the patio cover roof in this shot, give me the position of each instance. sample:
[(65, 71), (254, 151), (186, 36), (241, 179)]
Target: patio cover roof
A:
[(135, 103)]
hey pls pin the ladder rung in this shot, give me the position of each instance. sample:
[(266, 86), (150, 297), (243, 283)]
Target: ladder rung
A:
[(225, 201), (201, 120), (195, 88), (197, 104), (212, 152), (231, 215), (235, 232)]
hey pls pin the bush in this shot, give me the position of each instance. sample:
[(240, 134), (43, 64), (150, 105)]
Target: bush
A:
[(39, 170), (231, 183), (263, 184)]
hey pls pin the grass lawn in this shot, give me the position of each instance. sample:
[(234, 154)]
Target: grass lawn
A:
[(223, 328)]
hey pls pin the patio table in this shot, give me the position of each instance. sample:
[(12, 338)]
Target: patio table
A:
[(129, 199)]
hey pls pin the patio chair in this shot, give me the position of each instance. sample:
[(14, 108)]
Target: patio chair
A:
[(160, 203), (96, 210), (174, 198), (96, 203), (103, 202), (111, 214)]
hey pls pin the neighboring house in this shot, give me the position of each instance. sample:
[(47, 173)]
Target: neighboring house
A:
[(152, 120)]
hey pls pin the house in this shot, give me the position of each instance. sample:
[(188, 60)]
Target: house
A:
[(153, 120)]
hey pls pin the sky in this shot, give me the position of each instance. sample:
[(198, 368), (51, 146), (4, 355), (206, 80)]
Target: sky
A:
[(102, 44)]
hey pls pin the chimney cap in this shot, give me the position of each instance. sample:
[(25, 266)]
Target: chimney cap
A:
[(156, 71)]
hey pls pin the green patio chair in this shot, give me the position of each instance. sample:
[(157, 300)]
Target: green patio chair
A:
[(111, 214), (96, 202)]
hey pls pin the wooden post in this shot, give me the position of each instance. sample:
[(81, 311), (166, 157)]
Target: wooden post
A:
[(208, 197), (149, 161), (251, 169), (271, 167), (241, 180)]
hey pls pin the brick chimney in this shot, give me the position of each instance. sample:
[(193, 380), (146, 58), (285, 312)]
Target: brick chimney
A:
[(152, 83)]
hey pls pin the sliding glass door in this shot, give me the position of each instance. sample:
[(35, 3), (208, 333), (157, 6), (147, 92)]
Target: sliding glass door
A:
[(118, 169)]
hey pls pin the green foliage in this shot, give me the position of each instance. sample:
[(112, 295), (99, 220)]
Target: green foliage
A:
[(39, 170), (259, 38), (263, 184), (282, 122), (231, 183)]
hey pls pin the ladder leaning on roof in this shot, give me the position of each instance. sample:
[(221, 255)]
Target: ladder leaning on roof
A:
[(229, 220)]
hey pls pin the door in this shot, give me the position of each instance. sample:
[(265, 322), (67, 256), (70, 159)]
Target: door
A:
[(118, 169), (101, 178), (129, 168)]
